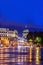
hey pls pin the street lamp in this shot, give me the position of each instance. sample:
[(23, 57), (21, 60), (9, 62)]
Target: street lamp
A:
[(38, 40)]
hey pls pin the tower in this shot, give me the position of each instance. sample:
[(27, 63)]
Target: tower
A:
[(25, 32)]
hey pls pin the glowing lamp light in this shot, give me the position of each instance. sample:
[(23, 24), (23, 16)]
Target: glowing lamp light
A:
[(38, 39), (37, 56), (30, 40), (5, 41), (30, 54)]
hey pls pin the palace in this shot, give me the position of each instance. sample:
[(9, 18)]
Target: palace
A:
[(7, 36)]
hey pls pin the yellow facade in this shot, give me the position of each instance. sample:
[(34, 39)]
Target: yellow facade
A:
[(4, 40)]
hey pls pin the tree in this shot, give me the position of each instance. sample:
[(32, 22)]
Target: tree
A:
[(30, 37), (38, 39)]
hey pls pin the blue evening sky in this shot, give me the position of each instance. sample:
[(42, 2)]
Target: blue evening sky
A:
[(21, 11)]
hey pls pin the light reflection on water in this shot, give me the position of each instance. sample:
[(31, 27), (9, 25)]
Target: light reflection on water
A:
[(37, 57), (37, 54), (32, 56), (34, 59)]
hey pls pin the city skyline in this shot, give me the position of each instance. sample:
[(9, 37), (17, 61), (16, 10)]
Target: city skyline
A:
[(21, 32)]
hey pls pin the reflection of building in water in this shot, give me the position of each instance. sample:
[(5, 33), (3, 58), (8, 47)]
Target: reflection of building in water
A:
[(30, 54), (37, 59)]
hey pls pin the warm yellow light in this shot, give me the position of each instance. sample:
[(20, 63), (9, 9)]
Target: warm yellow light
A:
[(37, 55), (4, 41), (30, 55)]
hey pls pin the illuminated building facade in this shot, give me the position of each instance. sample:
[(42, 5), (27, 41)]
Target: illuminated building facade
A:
[(6, 32), (19, 55), (25, 32), (7, 36)]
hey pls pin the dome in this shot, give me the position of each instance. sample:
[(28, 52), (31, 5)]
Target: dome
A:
[(26, 30)]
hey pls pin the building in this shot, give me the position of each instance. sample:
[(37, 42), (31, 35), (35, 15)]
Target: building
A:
[(9, 33), (7, 36), (25, 32), (3, 32)]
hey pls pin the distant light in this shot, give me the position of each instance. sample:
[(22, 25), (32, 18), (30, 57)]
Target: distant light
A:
[(38, 39), (21, 47), (30, 40)]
